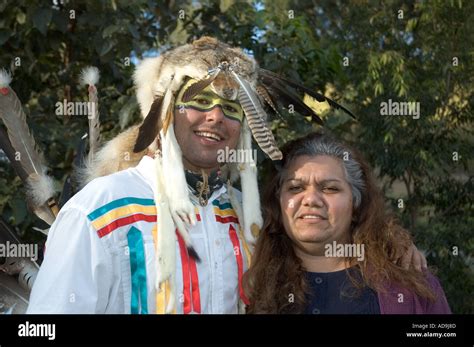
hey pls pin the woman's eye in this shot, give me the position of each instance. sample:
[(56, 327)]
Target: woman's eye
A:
[(295, 188), (230, 109)]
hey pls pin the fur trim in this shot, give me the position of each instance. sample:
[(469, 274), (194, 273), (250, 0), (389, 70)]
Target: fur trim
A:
[(154, 77), (175, 184), (145, 77), (116, 155), (5, 78), (166, 237), (250, 196), (89, 76), (40, 188)]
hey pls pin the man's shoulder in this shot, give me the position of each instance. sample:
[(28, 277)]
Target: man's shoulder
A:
[(122, 187)]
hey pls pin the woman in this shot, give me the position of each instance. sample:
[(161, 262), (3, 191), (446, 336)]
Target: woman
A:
[(327, 245)]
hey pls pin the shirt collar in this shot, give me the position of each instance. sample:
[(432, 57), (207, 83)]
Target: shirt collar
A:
[(147, 169)]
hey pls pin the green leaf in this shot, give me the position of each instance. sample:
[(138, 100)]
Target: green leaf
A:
[(111, 29), (411, 24), (388, 138), (378, 89), (103, 47), (21, 17), (225, 5), (41, 19)]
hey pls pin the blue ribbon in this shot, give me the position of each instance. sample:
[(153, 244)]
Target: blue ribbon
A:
[(138, 269)]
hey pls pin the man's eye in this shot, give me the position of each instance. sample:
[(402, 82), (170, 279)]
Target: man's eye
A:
[(330, 189), (202, 101), (230, 109)]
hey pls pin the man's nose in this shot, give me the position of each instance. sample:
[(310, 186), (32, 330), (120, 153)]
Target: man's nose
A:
[(313, 197), (215, 115)]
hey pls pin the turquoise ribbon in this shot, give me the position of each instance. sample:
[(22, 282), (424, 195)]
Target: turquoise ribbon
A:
[(138, 269)]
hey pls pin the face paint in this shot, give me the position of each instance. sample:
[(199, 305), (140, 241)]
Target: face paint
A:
[(206, 100)]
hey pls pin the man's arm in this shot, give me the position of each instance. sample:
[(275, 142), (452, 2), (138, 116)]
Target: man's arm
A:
[(76, 274)]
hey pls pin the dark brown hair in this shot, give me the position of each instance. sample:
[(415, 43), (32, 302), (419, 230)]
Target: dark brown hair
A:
[(275, 282)]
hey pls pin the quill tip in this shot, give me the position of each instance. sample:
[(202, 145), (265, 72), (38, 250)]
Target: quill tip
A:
[(5, 78), (89, 76)]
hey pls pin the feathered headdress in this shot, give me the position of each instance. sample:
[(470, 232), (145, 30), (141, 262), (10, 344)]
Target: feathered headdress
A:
[(231, 74)]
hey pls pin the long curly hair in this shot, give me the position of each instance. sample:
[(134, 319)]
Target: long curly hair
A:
[(276, 281)]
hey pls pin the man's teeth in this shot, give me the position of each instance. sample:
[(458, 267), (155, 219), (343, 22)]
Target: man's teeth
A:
[(208, 135)]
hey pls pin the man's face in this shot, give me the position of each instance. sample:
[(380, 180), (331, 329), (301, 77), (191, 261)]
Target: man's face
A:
[(202, 129)]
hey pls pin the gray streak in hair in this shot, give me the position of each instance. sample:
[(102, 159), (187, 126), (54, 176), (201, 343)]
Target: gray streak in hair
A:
[(326, 145)]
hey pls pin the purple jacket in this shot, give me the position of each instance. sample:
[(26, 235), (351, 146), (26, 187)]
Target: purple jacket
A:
[(392, 302)]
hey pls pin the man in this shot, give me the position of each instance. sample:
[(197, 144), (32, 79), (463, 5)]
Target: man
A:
[(164, 231), (101, 251)]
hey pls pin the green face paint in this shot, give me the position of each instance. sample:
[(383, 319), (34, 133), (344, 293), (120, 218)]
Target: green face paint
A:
[(206, 100)]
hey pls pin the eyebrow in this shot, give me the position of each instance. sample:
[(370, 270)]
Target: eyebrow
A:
[(320, 182)]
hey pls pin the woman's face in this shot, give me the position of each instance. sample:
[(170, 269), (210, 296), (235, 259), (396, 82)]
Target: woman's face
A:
[(316, 203)]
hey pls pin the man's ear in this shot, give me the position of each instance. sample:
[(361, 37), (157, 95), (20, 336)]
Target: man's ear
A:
[(150, 127)]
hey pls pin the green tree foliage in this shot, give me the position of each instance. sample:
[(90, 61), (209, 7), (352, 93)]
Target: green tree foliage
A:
[(362, 53)]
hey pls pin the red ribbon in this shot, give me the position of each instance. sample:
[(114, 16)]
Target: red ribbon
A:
[(190, 280), (240, 264)]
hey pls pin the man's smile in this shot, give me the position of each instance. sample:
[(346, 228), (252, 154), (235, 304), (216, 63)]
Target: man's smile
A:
[(209, 135)]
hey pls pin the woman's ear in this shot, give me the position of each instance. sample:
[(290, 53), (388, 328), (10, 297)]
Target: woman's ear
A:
[(150, 127)]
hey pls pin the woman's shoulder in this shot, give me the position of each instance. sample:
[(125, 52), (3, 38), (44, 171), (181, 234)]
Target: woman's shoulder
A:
[(397, 299)]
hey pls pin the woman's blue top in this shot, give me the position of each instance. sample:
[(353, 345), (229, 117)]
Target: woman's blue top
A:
[(334, 293)]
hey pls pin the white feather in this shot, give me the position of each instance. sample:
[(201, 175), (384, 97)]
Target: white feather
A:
[(89, 76), (5, 78), (250, 196)]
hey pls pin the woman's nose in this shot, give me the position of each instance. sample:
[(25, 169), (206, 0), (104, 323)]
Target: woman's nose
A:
[(313, 197)]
